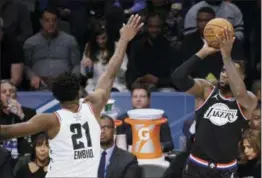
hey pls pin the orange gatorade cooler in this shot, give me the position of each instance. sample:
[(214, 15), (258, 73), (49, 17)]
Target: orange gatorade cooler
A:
[(145, 124)]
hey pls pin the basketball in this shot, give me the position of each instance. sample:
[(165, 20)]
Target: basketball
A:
[(215, 27)]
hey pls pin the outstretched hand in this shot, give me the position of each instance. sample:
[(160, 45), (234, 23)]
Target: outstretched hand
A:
[(129, 30), (226, 42)]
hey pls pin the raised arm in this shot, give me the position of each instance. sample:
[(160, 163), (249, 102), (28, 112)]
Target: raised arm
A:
[(101, 94), (38, 123), (236, 82), (181, 76)]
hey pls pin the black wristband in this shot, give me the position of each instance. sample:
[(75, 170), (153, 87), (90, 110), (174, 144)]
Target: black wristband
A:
[(180, 77)]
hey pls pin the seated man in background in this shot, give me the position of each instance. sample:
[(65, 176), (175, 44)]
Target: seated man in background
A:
[(224, 9), (12, 112), (50, 53), (151, 58), (11, 59), (209, 69), (141, 97), (115, 162)]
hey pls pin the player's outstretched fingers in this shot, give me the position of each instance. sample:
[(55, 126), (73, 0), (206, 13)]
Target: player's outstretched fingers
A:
[(218, 39), (140, 26), (231, 36), (130, 20), (228, 35), (133, 22), (137, 21), (224, 36)]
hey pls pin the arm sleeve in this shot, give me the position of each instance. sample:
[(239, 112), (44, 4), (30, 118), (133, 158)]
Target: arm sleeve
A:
[(180, 76)]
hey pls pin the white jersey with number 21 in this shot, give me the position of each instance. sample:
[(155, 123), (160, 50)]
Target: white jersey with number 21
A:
[(75, 151)]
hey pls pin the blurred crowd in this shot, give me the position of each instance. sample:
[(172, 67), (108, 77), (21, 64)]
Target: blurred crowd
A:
[(40, 39)]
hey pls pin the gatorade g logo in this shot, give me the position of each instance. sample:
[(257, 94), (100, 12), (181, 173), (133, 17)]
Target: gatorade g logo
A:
[(143, 133)]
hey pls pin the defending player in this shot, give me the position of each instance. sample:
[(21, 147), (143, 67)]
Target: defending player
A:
[(74, 131)]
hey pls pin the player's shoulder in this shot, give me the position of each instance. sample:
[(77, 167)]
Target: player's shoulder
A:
[(251, 93), (204, 83), (207, 87), (83, 102), (252, 96)]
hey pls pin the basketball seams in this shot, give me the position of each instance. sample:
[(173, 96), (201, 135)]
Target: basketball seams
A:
[(215, 27)]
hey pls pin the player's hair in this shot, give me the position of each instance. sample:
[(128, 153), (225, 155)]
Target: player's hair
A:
[(104, 116), (253, 137), (208, 10), (39, 140), (140, 86), (50, 10), (66, 87)]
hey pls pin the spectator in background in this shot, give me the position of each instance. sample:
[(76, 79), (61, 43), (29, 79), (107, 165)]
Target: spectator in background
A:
[(11, 57), (223, 9), (141, 98), (210, 68), (115, 162), (97, 54), (250, 147), (131, 7), (255, 121), (50, 53), (174, 25), (76, 12), (161, 7), (151, 58), (12, 112), (37, 166), (17, 19)]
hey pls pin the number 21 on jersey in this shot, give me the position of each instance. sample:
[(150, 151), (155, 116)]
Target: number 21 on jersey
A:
[(76, 129), (80, 150)]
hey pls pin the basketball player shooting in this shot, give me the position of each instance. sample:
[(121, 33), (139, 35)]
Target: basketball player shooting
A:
[(220, 119), (74, 130)]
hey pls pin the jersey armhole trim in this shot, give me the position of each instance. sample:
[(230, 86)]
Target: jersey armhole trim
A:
[(210, 94), (241, 112), (58, 118), (91, 108)]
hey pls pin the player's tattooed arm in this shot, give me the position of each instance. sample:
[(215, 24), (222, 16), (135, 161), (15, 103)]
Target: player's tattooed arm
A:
[(38, 123), (236, 79), (103, 89)]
